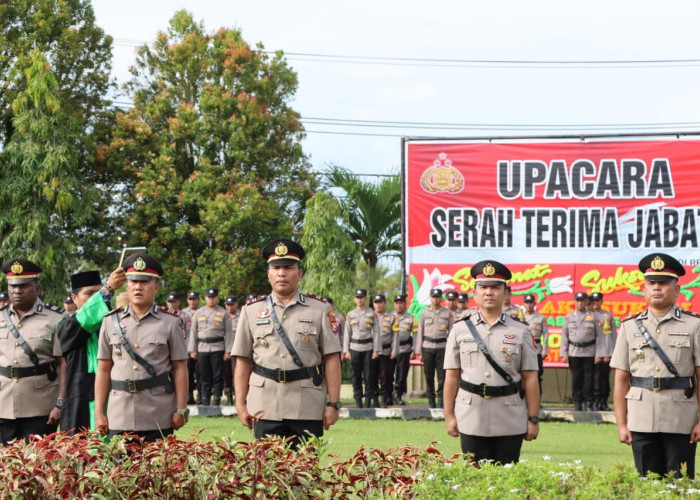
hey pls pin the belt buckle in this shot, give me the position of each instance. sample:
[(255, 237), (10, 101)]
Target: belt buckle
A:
[(483, 391), (281, 376), (656, 384), (13, 376), (131, 386)]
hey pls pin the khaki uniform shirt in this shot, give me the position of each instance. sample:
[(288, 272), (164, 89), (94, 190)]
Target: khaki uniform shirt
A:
[(539, 330), (306, 321), (678, 335), (362, 325), (609, 331), (29, 396), (234, 324), (515, 312), (463, 313), (210, 323), (405, 327), (390, 342), (434, 324), (186, 315), (510, 345), (581, 327), (159, 338)]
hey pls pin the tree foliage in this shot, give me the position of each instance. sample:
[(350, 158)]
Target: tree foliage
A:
[(54, 68), (211, 156), (371, 215)]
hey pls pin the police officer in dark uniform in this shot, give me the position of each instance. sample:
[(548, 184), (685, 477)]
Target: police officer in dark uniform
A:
[(657, 367), (32, 367)]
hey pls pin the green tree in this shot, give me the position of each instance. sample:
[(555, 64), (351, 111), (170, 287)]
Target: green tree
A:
[(54, 69), (331, 256), (371, 215), (211, 155)]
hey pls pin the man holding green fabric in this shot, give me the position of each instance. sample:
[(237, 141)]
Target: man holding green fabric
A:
[(78, 337)]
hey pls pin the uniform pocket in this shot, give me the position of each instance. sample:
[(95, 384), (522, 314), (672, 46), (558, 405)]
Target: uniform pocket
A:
[(305, 337), (634, 394), (680, 350), (468, 353)]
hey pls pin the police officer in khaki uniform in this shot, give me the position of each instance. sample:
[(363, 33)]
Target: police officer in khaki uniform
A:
[(601, 370), (433, 326), (511, 309), (581, 346), (389, 352), (452, 301), (462, 307), (656, 410), (491, 412), (192, 365), (32, 367), (210, 342), (405, 326), (142, 360), (69, 305), (361, 345), (539, 330), (286, 368)]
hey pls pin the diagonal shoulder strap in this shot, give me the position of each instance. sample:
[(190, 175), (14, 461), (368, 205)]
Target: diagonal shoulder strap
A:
[(282, 333), (13, 329), (122, 339), (657, 348), (485, 351)]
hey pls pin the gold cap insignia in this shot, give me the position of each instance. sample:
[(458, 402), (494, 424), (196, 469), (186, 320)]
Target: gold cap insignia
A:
[(657, 264), (489, 270), (139, 264), (17, 268), (281, 249)]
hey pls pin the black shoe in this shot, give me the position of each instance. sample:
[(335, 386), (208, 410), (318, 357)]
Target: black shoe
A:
[(358, 402), (578, 406), (190, 399), (375, 403), (400, 401), (205, 402), (439, 403), (604, 406), (389, 401), (589, 406), (229, 400), (431, 403), (383, 403), (217, 401)]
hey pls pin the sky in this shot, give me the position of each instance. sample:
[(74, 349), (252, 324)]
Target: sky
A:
[(471, 69)]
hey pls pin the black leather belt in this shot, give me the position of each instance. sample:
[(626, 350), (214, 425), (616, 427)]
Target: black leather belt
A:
[(211, 340), (582, 344), (361, 341), (406, 342), (133, 386), (660, 383), (490, 391), (435, 340), (386, 346), (313, 372), (27, 371)]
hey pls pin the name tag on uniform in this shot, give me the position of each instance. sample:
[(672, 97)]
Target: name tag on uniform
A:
[(678, 334), (262, 321), (301, 320), (469, 340), (511, 342), (637, 334)]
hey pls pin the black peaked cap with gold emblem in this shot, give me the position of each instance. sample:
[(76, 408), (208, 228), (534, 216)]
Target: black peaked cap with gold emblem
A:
[(140, 266), (661, 267), (283, 252), (20, 271), (490, 272)]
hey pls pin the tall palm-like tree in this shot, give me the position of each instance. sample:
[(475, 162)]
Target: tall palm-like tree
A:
[(371, 214)]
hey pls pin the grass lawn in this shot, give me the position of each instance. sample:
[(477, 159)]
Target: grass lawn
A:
[(592, 444)]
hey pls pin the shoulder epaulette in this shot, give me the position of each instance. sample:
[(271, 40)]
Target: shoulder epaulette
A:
[(316, 297), (689, 313), (465, 317), (258, 299), (5, 306), (57, 309), (631, 316), (521, 321), (170, 311), (118, 309)]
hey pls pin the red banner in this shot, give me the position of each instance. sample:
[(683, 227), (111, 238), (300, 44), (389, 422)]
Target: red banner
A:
[(564, 216)]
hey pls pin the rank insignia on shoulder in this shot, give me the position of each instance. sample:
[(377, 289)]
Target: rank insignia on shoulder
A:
[(170, 311), (118, 309), (257, 299), (50, 307), (321, 299), (685, 311)]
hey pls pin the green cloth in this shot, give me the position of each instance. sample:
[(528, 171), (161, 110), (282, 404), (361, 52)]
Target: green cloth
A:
[(90, 318)]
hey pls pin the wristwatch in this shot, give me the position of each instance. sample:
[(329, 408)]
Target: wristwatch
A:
[(185, 413), (59, 403), (335, 405), (534, 420)]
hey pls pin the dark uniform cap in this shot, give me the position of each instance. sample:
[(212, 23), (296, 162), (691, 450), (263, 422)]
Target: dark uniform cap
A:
[(140, 266), (462, 297), (659, 267), (379, 298), (68, 300), (435, 292), (490, 272), (529, 298), (451, 295), (85, 278), (231, 299), (20, 271), (329, 300), (400, 298), (212, 292), (172, 297), (4, 296), (283, 252), (193, 295), (596, 296), (360, 292), (581, 296)]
